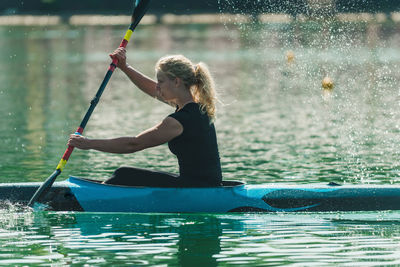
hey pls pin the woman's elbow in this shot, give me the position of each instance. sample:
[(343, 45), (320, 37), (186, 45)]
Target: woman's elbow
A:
[(134, 145)]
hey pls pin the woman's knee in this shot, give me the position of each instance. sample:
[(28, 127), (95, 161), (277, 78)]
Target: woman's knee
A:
[(121, 171)]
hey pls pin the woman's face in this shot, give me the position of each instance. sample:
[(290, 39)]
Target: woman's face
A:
[(165, 86)]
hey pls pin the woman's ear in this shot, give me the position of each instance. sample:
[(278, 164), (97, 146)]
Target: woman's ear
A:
[(178, 81)]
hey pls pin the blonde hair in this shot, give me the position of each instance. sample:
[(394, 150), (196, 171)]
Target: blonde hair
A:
[(197, 78)]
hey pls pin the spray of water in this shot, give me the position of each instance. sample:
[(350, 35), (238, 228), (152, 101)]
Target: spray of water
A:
[(335, 62)]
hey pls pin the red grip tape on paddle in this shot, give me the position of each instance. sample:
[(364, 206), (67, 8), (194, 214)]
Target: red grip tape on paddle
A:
[(114, 63), (69, 150), (123, 43)]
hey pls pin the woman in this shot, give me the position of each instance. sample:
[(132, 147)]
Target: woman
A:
[(189, 131)]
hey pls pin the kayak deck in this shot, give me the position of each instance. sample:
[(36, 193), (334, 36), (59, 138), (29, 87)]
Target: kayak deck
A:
[(79, 194)]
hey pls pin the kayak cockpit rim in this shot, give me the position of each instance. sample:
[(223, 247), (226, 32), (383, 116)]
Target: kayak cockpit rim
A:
[(225, 184)]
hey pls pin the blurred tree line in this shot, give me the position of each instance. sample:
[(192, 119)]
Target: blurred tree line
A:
[(292, 7)]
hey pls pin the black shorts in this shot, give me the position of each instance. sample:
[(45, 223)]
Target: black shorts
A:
[(130, 176), (141, 177)]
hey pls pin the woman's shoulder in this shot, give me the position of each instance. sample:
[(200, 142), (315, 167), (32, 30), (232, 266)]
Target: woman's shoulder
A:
[(191, 112), (189, 109), (191, 106)]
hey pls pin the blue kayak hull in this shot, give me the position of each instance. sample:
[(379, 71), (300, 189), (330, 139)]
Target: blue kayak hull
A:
[(239, 198), (77, 194)]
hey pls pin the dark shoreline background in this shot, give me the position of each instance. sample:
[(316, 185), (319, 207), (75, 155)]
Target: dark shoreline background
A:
[(292, 7)]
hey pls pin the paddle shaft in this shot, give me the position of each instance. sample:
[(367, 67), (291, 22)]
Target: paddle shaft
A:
[(139, 11)]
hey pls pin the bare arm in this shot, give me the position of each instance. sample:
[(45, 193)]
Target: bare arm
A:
[(161, 133), (144, 83)]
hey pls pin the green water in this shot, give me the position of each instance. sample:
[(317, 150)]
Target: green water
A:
[(275, 125), (117, 239)]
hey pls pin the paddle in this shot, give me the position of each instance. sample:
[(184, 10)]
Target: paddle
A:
[(140, 9)]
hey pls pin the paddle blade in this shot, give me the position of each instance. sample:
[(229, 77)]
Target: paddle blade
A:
[(140, 9), (44, 187)]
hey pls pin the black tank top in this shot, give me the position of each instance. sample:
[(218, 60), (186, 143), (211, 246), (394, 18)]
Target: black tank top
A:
[(196, 148)]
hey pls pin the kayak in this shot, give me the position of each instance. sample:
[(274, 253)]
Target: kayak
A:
[(79, 194)]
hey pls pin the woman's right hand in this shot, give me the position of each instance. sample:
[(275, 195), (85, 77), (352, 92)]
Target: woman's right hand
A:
[(79, 141), (120, 54)]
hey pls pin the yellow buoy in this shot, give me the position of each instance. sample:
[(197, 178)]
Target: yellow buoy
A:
[(327, 83), (290, 56)]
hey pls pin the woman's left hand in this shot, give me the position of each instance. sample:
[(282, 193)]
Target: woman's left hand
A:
[(120, 55), (79, 141)]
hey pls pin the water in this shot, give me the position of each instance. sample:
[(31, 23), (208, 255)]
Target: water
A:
[(43, 239), (275, 124)]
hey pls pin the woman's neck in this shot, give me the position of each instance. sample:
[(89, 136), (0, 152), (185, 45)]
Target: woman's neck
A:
[(183, 100), (181, 105)]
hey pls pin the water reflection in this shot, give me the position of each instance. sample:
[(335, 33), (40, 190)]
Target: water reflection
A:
[(187, 239), (199, 239), (112, 238)]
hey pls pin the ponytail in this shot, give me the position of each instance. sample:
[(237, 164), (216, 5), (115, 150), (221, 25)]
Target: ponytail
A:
[(204, 90)]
